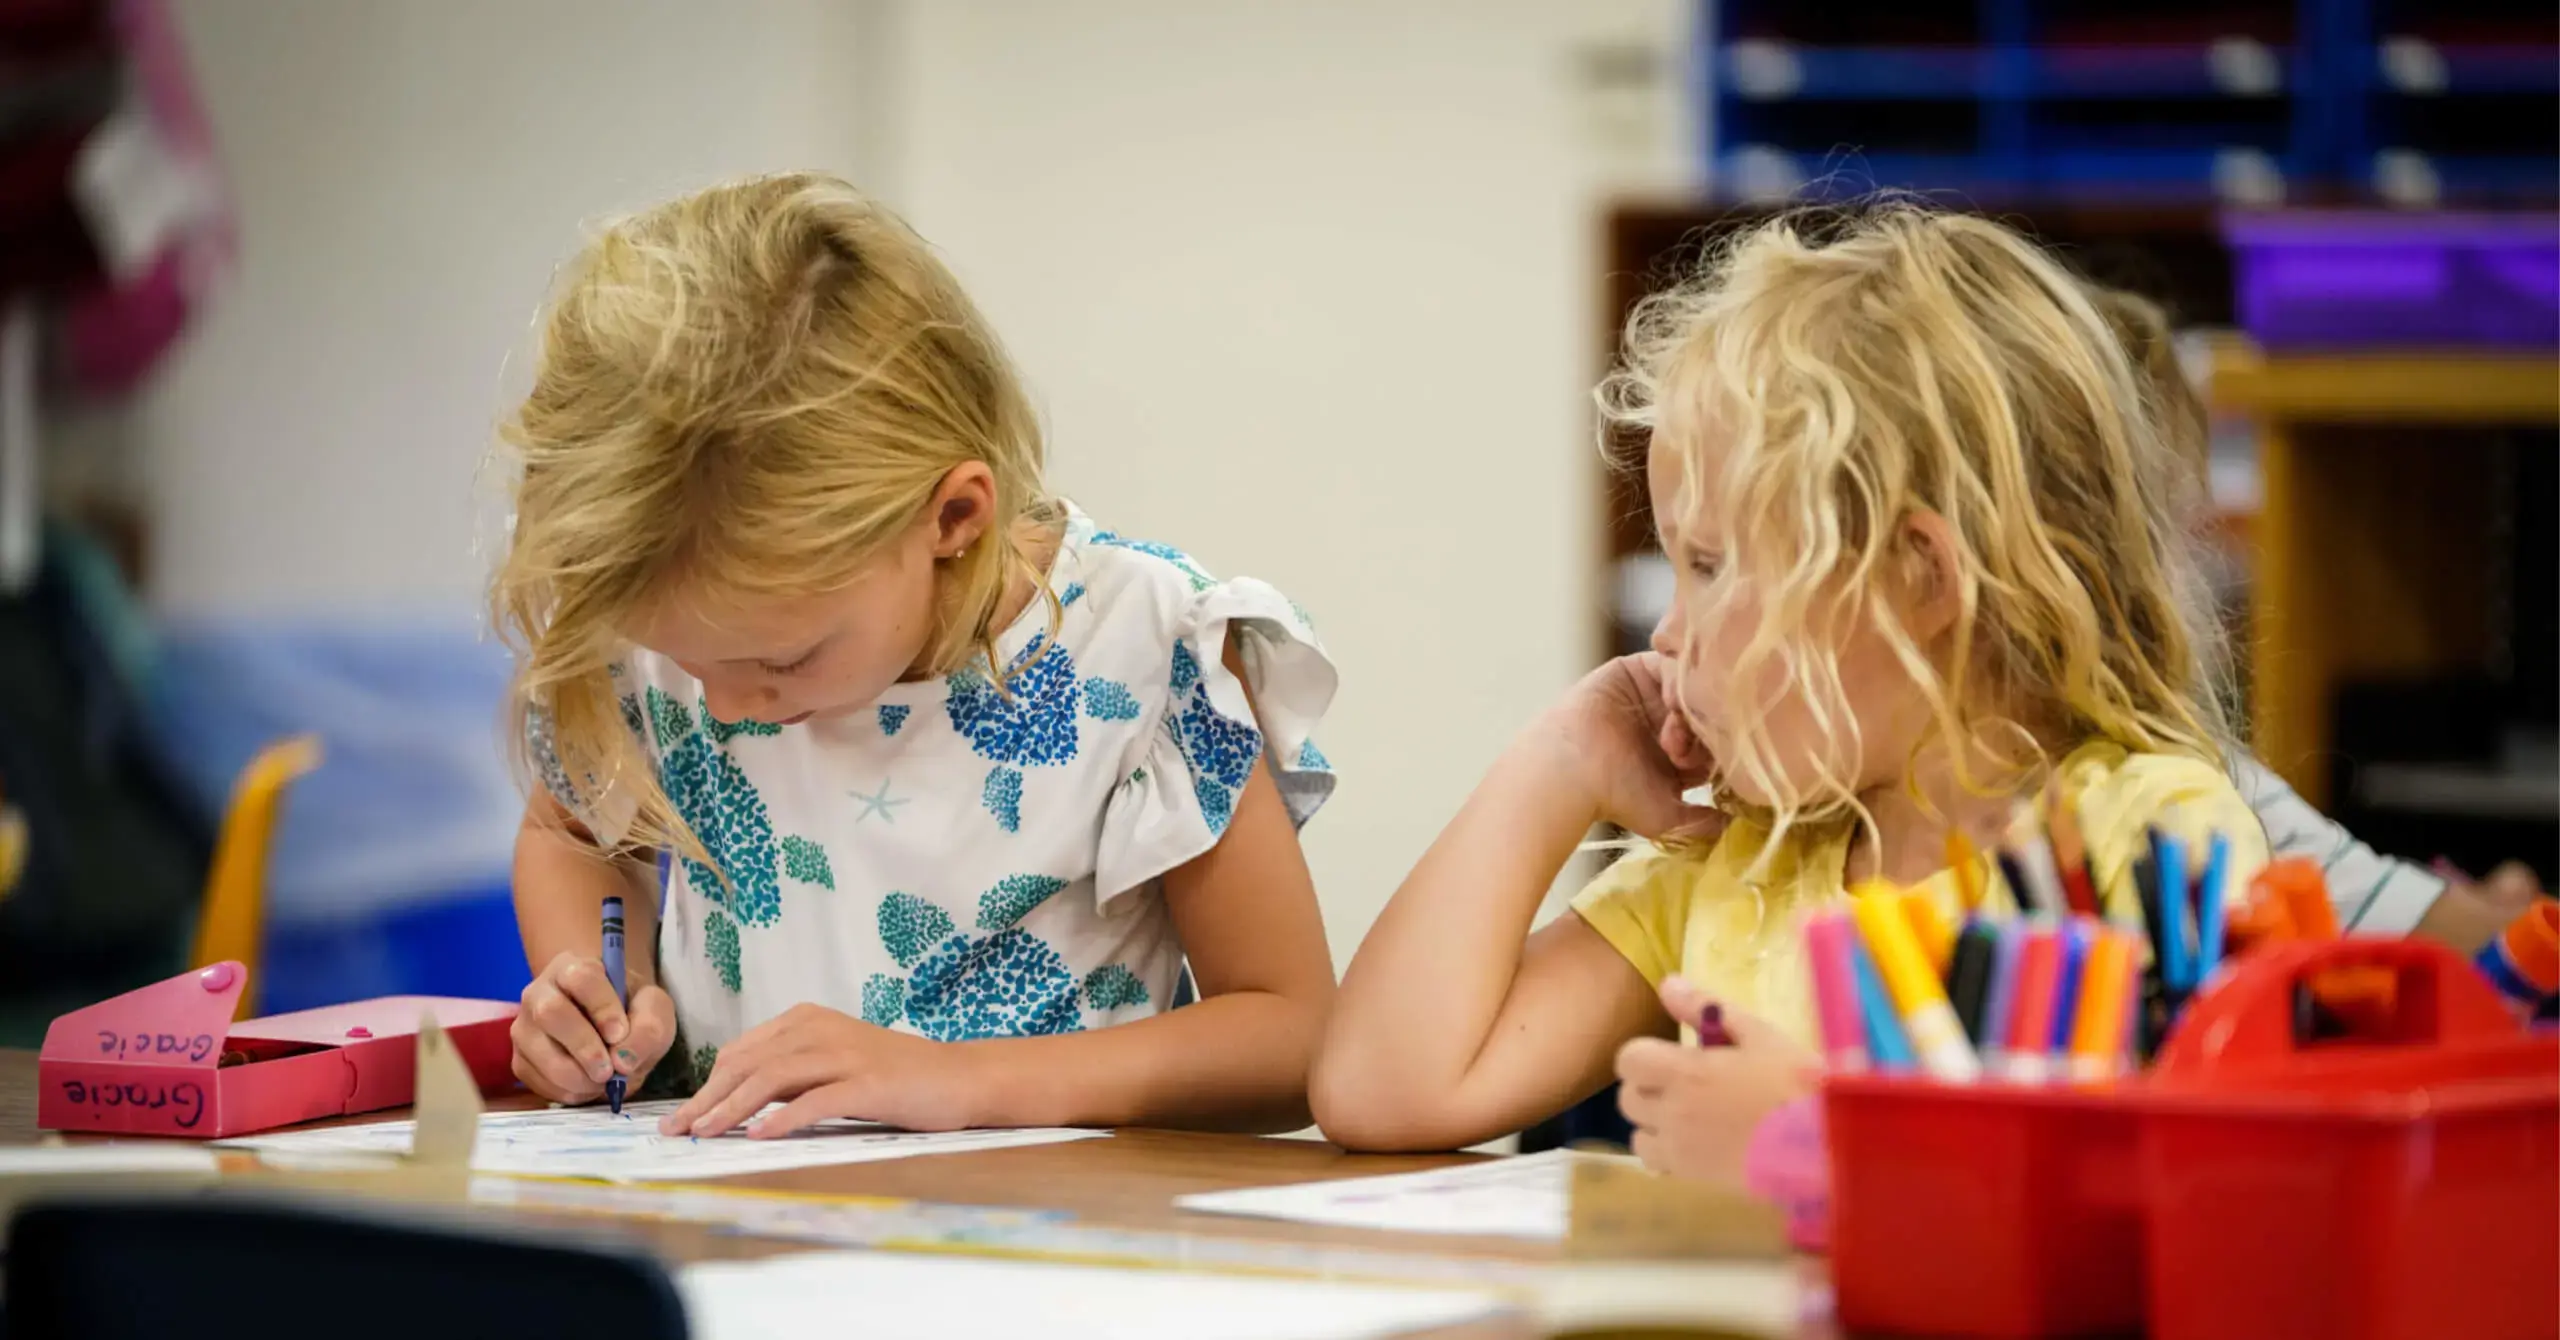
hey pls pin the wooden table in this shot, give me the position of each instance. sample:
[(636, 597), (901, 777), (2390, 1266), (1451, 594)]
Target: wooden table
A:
[(1129, 1181)]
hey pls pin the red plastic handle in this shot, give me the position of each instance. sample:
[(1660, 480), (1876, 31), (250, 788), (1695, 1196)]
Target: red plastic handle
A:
[(2246, 1018)]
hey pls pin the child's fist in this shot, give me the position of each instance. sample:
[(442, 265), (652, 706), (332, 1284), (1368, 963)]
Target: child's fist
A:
[(1695, 1108), (571, 1034), (1633, 751)]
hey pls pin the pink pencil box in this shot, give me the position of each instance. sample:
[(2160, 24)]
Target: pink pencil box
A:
[(168, 1060)]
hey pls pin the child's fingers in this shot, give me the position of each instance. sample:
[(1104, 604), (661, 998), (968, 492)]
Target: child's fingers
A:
[(653, 1030), (2512, 887), (584, 982), (818, 1104), (1682, 1000), (1651, 1150), (738, 1061), (783, 1077), (1650, 1063), (548, 1069), (1680, 744), (1641, 1107), (715, 1087), (559, 1018)]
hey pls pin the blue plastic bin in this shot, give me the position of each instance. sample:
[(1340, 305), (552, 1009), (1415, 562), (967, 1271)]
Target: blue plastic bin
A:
[(2383, 281), (389, 874)]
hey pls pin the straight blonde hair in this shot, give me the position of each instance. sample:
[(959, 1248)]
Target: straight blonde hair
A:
[(753, 388), (1859, 367)]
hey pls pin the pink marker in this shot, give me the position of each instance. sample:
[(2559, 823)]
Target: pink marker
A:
[(1828, 942)]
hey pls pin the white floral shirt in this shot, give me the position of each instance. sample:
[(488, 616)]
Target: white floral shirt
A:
[(967, 862)]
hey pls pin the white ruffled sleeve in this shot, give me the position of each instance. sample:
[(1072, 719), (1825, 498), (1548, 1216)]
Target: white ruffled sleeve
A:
[(1179, 792), (605, 809)]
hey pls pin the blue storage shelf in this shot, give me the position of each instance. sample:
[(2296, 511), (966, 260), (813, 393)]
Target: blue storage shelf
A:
[(1843, 173), (2166, 72), (1780, 72), (2166, 174), (2486, 178), (2456, 71), (2031, 97)]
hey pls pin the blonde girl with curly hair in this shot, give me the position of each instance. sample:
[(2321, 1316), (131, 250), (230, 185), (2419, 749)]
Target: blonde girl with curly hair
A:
[(1925, 513)]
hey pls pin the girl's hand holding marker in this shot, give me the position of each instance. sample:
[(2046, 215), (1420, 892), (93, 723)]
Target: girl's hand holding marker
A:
[(1694, 1108), (573, 1035)]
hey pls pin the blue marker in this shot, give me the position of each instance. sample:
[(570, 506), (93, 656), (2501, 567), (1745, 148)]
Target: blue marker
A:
[(1888, 1047), (2066, 985), (613, 1087), (2210, 900), (2177, 957)]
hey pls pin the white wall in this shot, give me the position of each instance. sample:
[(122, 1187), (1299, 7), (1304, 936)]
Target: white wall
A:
[(1309, 290), (1306, 288), (408, 172)]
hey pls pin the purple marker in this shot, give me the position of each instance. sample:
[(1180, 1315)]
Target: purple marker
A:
[(2000, 1001), (613, 1087), (1711, 1029)]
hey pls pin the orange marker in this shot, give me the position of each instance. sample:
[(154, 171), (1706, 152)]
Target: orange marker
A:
[(2097, 1026), (2361, 997), (2297, 884), (2260, 921), (1929, 926), (2524, 961), (1966, 863)]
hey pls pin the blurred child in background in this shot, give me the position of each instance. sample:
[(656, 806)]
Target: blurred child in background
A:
[(2375, 894)]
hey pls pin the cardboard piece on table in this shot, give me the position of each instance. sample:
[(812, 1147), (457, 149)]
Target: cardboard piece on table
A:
[(1757, 1300), (1620, 1211), (446, 1129), (167, 1059), (448, 1106)]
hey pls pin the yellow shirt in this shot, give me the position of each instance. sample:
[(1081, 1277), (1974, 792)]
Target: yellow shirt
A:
[(1741, 940)]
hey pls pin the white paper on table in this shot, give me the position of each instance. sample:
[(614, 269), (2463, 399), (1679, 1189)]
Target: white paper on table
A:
[(108, 1159), (892, 1296), (1525, 1197), (591, 1142)]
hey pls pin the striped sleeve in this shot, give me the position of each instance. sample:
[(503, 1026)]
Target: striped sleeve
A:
[(2374, 893)]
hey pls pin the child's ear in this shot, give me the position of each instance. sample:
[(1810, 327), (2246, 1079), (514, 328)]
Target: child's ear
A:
[(963, 506), (1932, 575)]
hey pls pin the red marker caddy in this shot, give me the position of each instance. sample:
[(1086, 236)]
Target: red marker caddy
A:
[(2398, 1184)]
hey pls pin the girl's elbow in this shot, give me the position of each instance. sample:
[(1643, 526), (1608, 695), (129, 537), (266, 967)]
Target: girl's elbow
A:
[(1370, 1114)]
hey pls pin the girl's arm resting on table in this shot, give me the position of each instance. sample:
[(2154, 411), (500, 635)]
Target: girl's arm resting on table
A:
[(1454, 1024)]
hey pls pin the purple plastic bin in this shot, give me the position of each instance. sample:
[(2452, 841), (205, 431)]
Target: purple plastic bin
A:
[(2398, 281)]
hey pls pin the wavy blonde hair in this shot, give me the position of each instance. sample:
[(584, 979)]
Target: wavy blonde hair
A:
[(1859, 368), (757, 386)]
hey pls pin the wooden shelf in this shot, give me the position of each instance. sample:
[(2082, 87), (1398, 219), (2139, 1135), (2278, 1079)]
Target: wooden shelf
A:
[(2438, 388), (2370, 540)]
